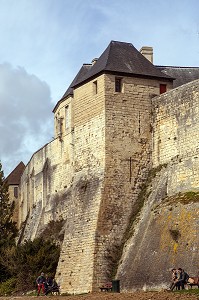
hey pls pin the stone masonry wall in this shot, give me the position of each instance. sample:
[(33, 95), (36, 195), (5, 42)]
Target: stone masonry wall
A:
[(14, 198), (76, 264), (91, 175), (45, 185), (175, 136), (165, 232), (163, 236), (127, 161)]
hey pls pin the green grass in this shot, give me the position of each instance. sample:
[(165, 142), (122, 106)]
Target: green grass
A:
[(193, 291)]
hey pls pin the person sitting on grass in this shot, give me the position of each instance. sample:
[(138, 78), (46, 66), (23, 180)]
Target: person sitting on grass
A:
[(179, 277), (173, 278), (54, 288)]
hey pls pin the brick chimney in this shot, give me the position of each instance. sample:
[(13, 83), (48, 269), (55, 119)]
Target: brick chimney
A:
[(147, 52), (94, 61)]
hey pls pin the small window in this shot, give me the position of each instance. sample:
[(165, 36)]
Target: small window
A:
[(163, 88), (16, 192), (118, 85), (67, 121), (95, 87), (59, 126)]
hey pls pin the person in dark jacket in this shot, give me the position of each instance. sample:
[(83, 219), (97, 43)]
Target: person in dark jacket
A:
[(185, 278), (41, 283), (178, 282), (54, 288), (49, 281)]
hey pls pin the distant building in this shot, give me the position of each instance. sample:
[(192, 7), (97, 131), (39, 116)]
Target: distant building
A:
[(13, 181)]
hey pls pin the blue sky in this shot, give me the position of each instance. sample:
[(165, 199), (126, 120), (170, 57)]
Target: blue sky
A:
[(45, 42)]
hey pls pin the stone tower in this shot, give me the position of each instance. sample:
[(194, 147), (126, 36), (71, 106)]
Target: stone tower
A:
[(92, 172), (111, 117)]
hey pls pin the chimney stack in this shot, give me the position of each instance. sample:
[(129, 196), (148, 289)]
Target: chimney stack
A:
[(94, 61), (147, 52)]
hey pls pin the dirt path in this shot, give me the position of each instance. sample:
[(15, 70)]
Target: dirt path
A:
[(113, 296)]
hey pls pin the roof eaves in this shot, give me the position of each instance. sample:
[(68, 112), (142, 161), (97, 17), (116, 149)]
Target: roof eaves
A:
[(95, 69), (69, 91), (163, 77), (61, 100)]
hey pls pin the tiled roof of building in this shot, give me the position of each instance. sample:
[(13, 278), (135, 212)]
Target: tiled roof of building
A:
[(182, 75), (14, 177), (118, 57), (124, 58)]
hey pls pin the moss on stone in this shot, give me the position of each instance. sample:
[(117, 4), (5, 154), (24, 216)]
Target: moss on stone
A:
[(143, 195), (183, 198)]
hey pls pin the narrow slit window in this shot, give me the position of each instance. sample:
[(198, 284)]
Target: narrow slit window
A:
[(139, 122), (163, 88), (95, 87), (16, 192), (118, 85), (67, 122)]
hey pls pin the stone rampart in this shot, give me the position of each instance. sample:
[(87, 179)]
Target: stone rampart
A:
[(91, 176), (175, 136), (164, 233), (44, 184), (76, 264), (127, 159)]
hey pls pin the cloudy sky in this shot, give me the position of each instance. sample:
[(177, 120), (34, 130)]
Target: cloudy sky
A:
[(43, 43)]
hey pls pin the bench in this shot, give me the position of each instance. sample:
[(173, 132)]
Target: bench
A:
[(107, 287), (192, 281)]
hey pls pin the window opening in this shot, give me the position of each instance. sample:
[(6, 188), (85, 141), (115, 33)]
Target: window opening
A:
[(118, 85), (95, 87), (16, 192), (130, 169), (139, 122), (67, 117), (163, 88)]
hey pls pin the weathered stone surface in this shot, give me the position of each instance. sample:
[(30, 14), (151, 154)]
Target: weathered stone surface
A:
[(95, 175), (166, 230)]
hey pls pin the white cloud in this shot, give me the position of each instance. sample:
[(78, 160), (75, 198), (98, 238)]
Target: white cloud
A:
[(26, 119)]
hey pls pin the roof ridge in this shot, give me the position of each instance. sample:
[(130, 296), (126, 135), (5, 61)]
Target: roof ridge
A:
[(109, 46), (177, 67)]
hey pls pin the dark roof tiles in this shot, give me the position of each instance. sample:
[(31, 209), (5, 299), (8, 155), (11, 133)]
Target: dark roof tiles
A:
[(14, 177), (84, 69), (120, 57), (182, 75)]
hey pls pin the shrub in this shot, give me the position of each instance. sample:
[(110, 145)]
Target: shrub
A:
[(7, 287), (25, 262)]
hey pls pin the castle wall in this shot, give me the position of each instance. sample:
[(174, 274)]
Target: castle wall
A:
[(63, 118), (164, 232), (76, 264), (43, 184), (127, 161), (163, 236), (91, 175), (175, 136), (14, 196)]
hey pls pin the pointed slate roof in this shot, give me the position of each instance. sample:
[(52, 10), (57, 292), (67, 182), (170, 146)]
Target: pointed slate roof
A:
[(182, 75), (84, 69), (120, 57), (14, 177)]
